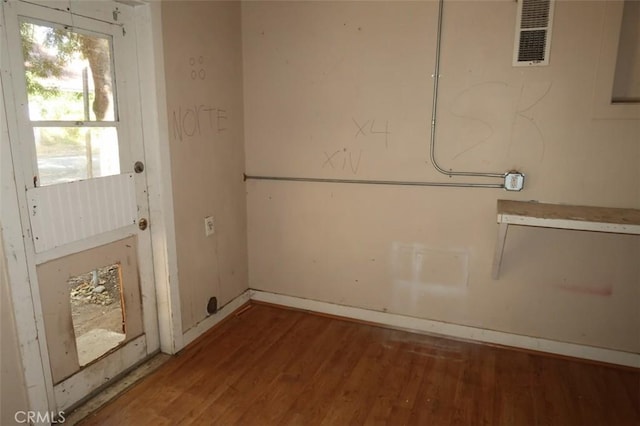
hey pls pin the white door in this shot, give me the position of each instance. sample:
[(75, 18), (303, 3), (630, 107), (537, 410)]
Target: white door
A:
[(77, 149)]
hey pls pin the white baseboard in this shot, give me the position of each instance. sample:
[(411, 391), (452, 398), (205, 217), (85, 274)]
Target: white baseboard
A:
[(203, 326), (453, 330)]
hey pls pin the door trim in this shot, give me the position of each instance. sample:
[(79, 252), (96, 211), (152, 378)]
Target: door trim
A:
[(155, 128), (25, 297)]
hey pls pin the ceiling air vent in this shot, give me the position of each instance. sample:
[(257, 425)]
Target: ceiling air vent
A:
[(533, 32)]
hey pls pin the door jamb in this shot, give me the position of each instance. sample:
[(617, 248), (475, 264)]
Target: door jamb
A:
[(157, 153)]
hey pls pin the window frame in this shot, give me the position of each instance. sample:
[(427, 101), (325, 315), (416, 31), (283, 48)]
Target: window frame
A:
[(603, 105), (53, 16)]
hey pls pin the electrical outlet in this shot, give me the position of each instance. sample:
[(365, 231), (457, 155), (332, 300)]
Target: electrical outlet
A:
[(209, 228)]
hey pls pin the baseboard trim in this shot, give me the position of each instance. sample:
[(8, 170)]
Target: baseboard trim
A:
[(205, 325), (573, 350)]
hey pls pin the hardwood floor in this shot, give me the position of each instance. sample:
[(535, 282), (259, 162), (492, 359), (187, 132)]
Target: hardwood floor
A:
[(274, 366)]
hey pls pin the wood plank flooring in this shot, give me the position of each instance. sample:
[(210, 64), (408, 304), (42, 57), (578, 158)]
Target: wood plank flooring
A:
[(268, 366)]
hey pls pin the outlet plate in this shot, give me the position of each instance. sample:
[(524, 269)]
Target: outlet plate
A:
[(209, 227)]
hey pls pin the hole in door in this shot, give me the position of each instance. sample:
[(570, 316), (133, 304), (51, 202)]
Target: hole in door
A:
[(97, 312)]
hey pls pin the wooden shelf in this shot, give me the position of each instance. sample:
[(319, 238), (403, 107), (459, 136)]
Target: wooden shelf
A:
[(583, 218)]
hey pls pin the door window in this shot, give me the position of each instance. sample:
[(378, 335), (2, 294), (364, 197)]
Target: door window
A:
[(71, 95)]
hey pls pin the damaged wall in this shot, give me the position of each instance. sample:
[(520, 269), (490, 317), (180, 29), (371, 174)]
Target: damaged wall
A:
[(203, 72), (344, 90)]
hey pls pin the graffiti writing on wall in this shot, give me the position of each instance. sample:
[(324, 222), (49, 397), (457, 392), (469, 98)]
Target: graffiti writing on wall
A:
[(198, 120), (367, 135)]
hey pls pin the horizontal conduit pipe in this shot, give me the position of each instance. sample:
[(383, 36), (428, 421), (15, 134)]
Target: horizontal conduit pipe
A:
[(375, 182)]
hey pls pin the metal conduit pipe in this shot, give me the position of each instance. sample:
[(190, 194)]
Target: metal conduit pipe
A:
[(434, 109), (375, 182)]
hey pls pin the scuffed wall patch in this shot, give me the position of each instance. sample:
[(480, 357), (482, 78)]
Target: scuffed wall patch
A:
[(446, 270), (593, 290), (420, 272)]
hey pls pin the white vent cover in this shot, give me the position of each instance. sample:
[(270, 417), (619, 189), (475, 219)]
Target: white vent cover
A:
[(533, 32)]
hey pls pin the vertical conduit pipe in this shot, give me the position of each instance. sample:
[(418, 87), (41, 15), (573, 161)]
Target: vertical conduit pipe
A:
[(434, 109)]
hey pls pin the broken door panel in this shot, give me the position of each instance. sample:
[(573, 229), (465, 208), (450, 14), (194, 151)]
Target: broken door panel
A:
[(53, 278)]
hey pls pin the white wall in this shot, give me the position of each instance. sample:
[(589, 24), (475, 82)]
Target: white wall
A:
[(203, 72), (315, 72)]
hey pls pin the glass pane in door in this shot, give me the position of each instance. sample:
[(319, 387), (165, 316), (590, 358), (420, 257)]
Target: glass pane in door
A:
[(69, 75), (66, 154)]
